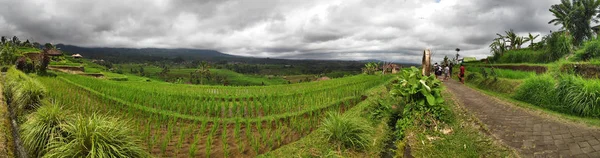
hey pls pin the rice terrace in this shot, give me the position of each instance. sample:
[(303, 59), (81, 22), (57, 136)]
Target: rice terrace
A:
[(272, 78)]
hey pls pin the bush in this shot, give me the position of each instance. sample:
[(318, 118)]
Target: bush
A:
[(95, 136), (521, 56), (41, 127), (582, 95), (347, 132), (590, 50), (538, 90), (558, 44)]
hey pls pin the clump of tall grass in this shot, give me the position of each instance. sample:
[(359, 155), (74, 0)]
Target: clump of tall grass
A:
[(95, 136), (538, 90), (22, 92), (41, 127), (29, 95), (582, 96), (522, 56), (565, 93), (346, 131)]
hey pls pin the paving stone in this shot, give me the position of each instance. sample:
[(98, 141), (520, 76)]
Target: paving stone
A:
[(530, 134)]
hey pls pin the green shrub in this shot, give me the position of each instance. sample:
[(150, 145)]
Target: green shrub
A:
[(539, 91), (522, 56), (95, 136), (423, 101), (582, 96), (502, 73), (590, 50), (41, 127), (558, 44), (349, 132)]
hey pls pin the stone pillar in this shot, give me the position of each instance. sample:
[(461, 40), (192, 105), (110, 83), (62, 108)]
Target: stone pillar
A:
[(426, 62)]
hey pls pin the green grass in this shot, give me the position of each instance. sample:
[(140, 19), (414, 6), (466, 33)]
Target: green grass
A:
[(96, 136), (41, 128), (233, 78), (6, 139), (347, 132), (502, 73), (314, 144)]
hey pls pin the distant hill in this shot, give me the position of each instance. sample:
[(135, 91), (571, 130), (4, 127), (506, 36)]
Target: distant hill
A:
[(144, 54)]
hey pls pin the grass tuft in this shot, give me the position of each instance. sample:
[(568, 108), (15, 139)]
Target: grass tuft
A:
[(349, 132)]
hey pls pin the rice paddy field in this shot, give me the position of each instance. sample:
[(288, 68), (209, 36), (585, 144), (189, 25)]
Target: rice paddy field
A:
[(176, 120)]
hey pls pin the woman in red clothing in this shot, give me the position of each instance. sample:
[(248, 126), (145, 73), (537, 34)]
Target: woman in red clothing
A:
[(461, 75)]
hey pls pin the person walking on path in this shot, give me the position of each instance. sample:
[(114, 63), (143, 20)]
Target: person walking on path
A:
[(446, 72), (451, 65), (461, 75)]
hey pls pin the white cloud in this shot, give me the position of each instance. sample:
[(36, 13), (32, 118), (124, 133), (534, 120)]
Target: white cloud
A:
[(340, 29)]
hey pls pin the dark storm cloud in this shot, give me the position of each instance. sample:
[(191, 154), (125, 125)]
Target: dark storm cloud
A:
[(397, 30)]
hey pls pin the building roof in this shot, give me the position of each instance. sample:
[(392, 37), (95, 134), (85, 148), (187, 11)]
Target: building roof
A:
[(54, 52), (77, 55)]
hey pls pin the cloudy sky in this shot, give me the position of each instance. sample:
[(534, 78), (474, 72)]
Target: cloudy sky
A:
[(391, 30)]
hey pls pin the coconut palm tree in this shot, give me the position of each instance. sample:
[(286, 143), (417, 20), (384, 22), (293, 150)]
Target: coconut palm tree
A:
[(576, 16), (531, 38), (203, 70)]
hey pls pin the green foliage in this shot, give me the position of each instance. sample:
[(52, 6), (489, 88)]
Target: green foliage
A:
[(590, 50), (424, 102), (582, 95), (570, 94), (41, 127), (8, 53), (556, 45), (95, 136), (371, 68), (502, 73), (349, 132), (539, 91), (29, 95), (418, 89), (575, 17), (521, 56), (23, 92)]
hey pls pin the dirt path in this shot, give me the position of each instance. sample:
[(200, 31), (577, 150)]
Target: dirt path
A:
[(532, 135)]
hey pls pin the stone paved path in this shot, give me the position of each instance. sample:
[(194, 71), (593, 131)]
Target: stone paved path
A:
[(532, 135)]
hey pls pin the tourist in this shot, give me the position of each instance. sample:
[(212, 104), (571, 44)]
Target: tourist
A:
[(461, 75), (446, 72)]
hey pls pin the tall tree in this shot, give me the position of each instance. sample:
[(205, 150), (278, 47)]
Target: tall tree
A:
[(203, 70), (576, 16), (16, 40), (531, 38)]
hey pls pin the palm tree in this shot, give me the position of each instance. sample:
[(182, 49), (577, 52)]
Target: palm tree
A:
[(203, 70), (576, 16), (561, 13), (498, 47), (531, 38), (510, 37)]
